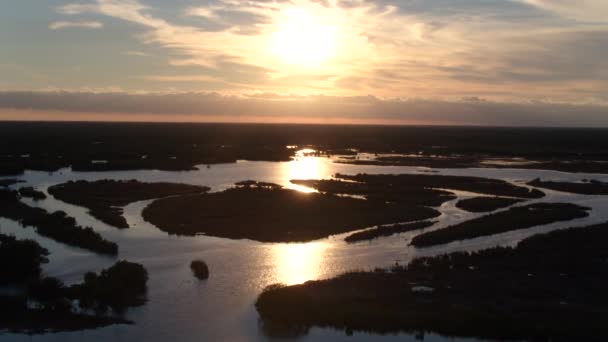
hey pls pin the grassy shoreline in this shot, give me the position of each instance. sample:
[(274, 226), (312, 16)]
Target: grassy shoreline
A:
[(486, 204), (538, 290), (513, 219), (57, 226), (588, 187), (104, 198)]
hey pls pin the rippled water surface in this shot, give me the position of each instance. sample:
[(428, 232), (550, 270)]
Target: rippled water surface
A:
[(181, 308)]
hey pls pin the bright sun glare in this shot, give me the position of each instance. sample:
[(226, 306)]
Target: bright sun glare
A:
[(304, 167), (303, 39), (298, 263)]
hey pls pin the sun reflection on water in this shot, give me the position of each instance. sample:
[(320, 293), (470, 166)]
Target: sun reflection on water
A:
[(304, 166), (298, 263)]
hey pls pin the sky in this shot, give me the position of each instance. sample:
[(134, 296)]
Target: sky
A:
[(480, 62)]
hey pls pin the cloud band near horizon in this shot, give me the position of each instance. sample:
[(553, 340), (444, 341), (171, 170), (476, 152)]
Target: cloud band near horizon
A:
[(271, 108)]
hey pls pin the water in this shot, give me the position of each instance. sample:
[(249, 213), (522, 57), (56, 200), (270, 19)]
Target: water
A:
[(182, 308)]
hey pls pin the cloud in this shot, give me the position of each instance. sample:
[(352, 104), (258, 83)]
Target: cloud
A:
[(137, 53), (585, 10), (73, 9), (208, 48), (270, 107), (502, 50), (239, 19), (75, 24)]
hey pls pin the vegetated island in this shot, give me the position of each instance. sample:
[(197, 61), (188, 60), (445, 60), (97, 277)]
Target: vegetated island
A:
[(430, 161), (32, 193), (513, 219), (387, 230), (421, 189), (587, 187), (104, 198), (200, 269), (486, 204), (266, 212), (42, 304), (380, 191), (57, 226), (450, 161), (117, 288), (541, 290), (20, 260)]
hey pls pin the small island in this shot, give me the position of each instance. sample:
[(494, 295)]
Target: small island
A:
[(430, 190), (539, 290), (20, 260), (457, 161), (486, 204), (32, 193), (119, 287), (200, 269), (382, 191), (430, 161), (586, 187), (105, 198), (513, 219), (387, 230), (271, 214)]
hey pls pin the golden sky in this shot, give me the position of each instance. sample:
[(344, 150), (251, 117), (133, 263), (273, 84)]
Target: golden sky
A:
[(498, 51)]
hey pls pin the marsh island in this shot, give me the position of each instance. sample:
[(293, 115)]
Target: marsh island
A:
[(486, 204), (539, 290), (105, 198), (430, 190), (513, 219), (585, 187), (272, 214), (42, 304), (57, 225)]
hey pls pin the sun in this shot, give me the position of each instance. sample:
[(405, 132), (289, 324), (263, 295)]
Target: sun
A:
[(303, 39)]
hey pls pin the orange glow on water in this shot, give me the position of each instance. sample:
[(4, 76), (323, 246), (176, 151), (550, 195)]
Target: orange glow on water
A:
[(305, 167), (298, 263)]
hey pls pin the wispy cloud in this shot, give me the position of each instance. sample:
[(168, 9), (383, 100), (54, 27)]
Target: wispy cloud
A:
[(586, 10), (503, 50), (137, 53), (75, 24)]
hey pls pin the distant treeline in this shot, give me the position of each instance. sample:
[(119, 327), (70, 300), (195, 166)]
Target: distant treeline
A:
[(127, 146)]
